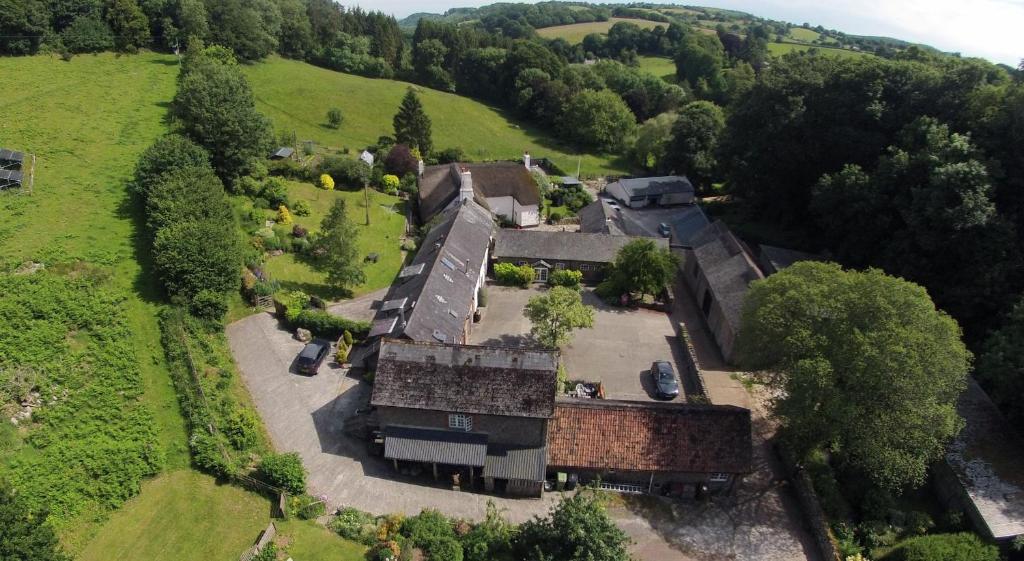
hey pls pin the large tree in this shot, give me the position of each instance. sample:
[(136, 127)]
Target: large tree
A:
[(556, 314), (128, 23), (599, 119), (578, 529), (642, 267), (25, 535), (863, 364), (23, 24), (695, 142), (1000, 366), (412, 126), (335, 248), (216, 108)]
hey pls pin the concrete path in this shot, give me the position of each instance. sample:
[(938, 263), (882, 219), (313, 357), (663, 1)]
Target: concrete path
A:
[(359, 309)]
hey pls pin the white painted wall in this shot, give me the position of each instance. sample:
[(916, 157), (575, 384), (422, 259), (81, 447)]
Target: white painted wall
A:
[(521, 215)]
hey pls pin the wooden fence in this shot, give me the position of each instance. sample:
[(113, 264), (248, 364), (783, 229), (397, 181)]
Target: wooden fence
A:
[(266, 536)]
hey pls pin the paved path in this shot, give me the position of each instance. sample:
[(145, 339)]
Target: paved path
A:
[(359, 309)]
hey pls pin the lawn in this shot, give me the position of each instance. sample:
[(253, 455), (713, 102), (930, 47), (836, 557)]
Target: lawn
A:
[(182, 515), (307, 541), (382, 236), (803, 34), (297, 96), (575, 32), (662, 67), (779, 49)]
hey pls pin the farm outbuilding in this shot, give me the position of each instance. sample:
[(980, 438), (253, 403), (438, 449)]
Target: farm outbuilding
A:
[(9, 179), (283, 153), (9, 159)]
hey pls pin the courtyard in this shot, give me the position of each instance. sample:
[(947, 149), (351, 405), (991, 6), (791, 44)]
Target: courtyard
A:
[(617, 351)]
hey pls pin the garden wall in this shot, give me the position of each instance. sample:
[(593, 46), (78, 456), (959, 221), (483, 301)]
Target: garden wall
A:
[(814, 514), (691, 365)]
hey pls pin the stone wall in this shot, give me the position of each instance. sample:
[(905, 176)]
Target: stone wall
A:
[(814, 514), (692, 366)]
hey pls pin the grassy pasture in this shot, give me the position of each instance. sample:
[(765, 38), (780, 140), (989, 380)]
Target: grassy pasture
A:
[(803, 34), (662, 67), (296, 96), (575, 32), (779, 49)]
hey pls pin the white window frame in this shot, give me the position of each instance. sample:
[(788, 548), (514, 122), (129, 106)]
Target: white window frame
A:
[(718, 477), (585, 267), (460, 421), (559, 266)]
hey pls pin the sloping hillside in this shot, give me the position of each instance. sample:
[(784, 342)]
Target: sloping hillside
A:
[(296, 96)]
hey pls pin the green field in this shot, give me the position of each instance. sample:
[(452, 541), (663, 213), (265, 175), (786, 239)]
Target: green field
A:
[(307, 541), (803, 34), (387, 223), (182, 515), (662, 67), (575, 32), (296, 96), (779, 49)]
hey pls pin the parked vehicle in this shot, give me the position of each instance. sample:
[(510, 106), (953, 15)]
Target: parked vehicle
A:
[(665, 382), (664, 230), (312, 356)]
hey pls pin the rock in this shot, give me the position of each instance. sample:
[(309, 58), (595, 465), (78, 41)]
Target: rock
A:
[(303, 335), (277, 252)]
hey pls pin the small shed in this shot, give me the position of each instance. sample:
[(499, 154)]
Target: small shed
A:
[(283, 153), (11, 160), (10, 179)]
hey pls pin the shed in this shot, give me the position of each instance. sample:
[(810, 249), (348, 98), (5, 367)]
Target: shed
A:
[(283, 153)]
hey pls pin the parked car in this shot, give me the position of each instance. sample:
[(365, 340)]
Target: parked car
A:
[(664, 230), (665, 382), (312, 356)]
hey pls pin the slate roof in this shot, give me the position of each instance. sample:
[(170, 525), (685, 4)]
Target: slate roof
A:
[(439, 185), (515, 462), (9, 178), (599, 218), (512, 382), (727, 266), (562, 246), (283, 152), (987, 458), (439, 286), (649, 186), (420, 444), (774, 259), (600, 434), (688, 223)]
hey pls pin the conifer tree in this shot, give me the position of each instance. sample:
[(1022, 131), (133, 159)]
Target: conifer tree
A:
[(412, 126)]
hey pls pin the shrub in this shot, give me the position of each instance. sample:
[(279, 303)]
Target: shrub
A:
[(945, 547), (284, 471), (275, 191), (451, 155), (329, 326), (195, 255), (284, 216), (391, 183), (242, 429), (346, 171), (288, 168), (169, 153), (206, 454), (326, 182), (347, 337), (290, 304), (400, 161), (566, 277), (301, 208), (427, 528), (299, 231), (306, 507), (209, 305), (445, 549), (555, 215), (268, 553), (514, 275), (356, 525), (334, 117)]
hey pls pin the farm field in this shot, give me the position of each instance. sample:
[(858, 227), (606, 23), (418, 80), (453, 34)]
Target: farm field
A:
[(575, 32), (779, 49), (387, 223), (182, 515), (662, 67), (296, 97)]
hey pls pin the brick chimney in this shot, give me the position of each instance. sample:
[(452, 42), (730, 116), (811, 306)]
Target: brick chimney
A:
[(465, 185)]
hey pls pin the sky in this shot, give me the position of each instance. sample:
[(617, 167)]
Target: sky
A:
[(992, 29)]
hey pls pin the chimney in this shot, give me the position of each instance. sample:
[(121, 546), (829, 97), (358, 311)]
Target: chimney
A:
[(465, 185), (526, 159), (419, 167)]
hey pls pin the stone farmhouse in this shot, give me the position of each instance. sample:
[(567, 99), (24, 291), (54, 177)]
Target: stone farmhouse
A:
[(506, 189)]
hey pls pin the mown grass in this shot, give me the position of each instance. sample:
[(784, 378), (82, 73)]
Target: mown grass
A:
[(779, 49), (382, 236), (662, 67), (297, 96), (182, 515), (308, 541), (575, 32)]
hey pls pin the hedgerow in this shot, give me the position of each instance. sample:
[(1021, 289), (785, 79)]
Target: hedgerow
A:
[(91, 441)]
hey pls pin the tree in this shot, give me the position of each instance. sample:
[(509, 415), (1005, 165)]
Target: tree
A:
[(87, 34), (335, 248), (217, 110), (599, 119), (23, 24), (1000, 367), (699, 62), (284, 471), (400, 161), (249, 28), (652, 142), (556, 314), (128, 23), (196, 255), (578, 529), (296, 37), (864, 364), (25, 535), (695, 142), (169, 153), (642, 267), (334, 117), (412, 126)]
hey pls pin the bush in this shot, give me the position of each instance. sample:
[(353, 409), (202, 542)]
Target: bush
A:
[(87, 35), (944, 547), (451, 155), (275, 191), (209, 305), (445, 549), (356, 525), (288, 168), (306, 507), (284, 471), (301, 208), (514, 275), (290, 304), (268, 553), (206, 454), (555, 215), (299, 231), (345, 171), (326, 182), (427, 528), (400, 161), (329, 326), (390, 184), (242, 429), (334, 117), (169, 153), (566, 277)]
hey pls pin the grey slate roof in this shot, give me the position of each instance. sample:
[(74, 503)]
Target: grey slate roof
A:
[(439, 286), (687, 223), (599, 218), (774, 259), (439, 185), (512, 382), (435, 445), (514, 462), (987, 458), (727, 266), (562, 246), (9, 178), (648, 186)]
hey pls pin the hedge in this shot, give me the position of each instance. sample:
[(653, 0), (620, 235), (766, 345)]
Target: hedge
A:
[(328, 326), (513, 275)]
